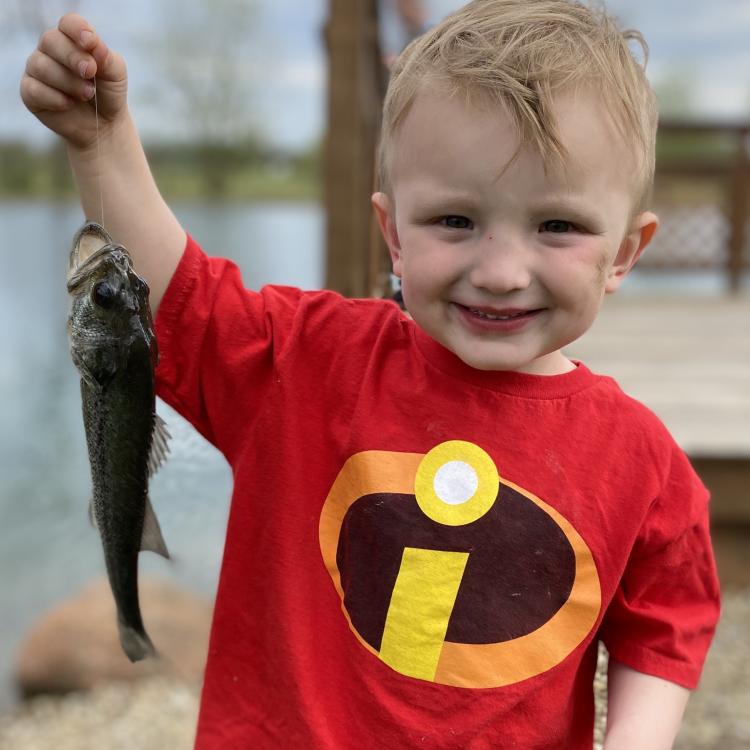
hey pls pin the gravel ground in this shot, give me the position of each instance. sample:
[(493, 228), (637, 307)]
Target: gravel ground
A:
[(159, 713), (152, 714), (718, 714)]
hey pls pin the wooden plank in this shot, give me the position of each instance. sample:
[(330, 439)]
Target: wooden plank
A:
[(688, 359), (355, 85), (739, 216), (728, 479), (732, 554)]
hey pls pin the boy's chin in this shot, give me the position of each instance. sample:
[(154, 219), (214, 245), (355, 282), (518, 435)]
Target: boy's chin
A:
[(553, 363), (488, 361)]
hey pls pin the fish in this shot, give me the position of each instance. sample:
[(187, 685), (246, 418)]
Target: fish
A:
[(113, 346)]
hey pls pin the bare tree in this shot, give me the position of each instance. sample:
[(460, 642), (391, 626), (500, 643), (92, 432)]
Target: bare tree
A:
[(206, 55)]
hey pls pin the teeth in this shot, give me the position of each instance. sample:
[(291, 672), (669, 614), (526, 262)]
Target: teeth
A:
[(493, 317)]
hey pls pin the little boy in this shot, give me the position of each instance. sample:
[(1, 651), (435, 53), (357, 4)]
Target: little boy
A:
[(435, 518)]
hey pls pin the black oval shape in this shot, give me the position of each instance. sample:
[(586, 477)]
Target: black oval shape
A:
[(519, 573)]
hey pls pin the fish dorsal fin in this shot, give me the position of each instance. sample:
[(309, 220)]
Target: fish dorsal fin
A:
[(151, 539), (159, 445)]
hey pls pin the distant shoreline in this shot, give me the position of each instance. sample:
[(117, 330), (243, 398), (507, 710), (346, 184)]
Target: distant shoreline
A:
[(195, 171)]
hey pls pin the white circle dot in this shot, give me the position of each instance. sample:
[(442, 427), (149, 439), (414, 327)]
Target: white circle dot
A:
[(455, 482)]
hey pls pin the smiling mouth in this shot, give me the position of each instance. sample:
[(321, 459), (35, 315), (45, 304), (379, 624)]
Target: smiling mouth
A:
[(497, 320)]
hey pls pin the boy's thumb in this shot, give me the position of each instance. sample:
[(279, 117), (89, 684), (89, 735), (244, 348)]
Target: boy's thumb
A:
[(110, 66)]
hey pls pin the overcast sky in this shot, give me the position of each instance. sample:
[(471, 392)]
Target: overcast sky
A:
[(705, 45)]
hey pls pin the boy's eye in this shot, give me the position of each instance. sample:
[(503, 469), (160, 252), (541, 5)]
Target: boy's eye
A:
[(556, 226), (456, 222)]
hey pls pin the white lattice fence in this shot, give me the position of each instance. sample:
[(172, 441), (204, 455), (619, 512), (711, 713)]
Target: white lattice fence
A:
[(689, 237)]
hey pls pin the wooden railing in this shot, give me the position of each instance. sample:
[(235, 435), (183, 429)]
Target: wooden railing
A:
[(732, 175)]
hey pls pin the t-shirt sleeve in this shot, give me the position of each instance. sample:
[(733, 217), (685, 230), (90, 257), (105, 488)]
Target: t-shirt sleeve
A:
[(208, 316), (663, 615)]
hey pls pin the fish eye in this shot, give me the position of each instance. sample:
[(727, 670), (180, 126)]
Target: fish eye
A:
[(103, 295)]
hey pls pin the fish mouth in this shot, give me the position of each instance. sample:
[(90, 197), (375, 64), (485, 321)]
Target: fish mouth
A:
[(90, 238), (92, 245)]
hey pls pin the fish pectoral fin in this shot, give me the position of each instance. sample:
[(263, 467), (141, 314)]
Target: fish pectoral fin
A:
[(90, 379), (151, 539), (92, 517), (159, 445), (94, 378)]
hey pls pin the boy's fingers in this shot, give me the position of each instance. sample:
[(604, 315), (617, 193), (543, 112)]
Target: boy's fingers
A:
[(62, 50), (39, 97), (50, 72), (102, 61), (78, 30)]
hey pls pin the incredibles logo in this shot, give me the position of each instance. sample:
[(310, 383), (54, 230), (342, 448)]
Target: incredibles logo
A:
[(449, 573)]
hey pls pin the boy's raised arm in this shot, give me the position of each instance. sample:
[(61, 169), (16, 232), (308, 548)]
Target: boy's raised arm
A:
[(57, 87)]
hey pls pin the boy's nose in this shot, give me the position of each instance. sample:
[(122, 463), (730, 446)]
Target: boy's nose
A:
[(501, 265)]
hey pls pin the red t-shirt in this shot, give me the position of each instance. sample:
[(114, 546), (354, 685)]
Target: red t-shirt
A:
[(420, 554)]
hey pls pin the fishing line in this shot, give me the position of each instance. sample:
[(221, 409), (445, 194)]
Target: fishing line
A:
[(98, 153)]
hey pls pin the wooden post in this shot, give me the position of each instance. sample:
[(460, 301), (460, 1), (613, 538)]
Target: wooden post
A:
[(355, 92), (739, 211)]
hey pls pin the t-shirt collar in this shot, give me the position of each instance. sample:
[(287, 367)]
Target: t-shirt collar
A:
[(507, 381)]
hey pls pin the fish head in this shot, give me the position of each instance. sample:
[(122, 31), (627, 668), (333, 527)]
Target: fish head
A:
[(109, 300), (112, 285), (101, 274)]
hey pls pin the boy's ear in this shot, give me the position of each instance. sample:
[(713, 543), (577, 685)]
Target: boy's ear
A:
[(641, 232), (383, 210)]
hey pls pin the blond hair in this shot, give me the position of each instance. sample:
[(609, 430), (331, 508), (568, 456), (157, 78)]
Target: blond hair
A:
[(520, 53)]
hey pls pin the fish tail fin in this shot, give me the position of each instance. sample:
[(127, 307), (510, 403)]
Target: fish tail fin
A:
[(136, 644)]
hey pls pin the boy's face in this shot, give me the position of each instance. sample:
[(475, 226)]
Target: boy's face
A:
[(504, 268)]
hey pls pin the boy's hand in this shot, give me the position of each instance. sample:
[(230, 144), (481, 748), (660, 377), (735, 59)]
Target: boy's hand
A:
[(115, 183), (58, 87)]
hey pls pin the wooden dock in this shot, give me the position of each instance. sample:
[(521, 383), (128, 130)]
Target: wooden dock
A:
[(688, 359)]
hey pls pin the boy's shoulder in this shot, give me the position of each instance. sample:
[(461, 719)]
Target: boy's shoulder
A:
[(212, 287), (630, 419), (326, 311)]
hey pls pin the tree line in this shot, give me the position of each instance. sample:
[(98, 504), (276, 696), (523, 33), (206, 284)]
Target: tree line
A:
[(205, 170)]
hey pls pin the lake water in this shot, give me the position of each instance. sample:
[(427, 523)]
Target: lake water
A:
[(48, 550), (47, 547)]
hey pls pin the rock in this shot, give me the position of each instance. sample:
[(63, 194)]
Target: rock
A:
[(75, 646)]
